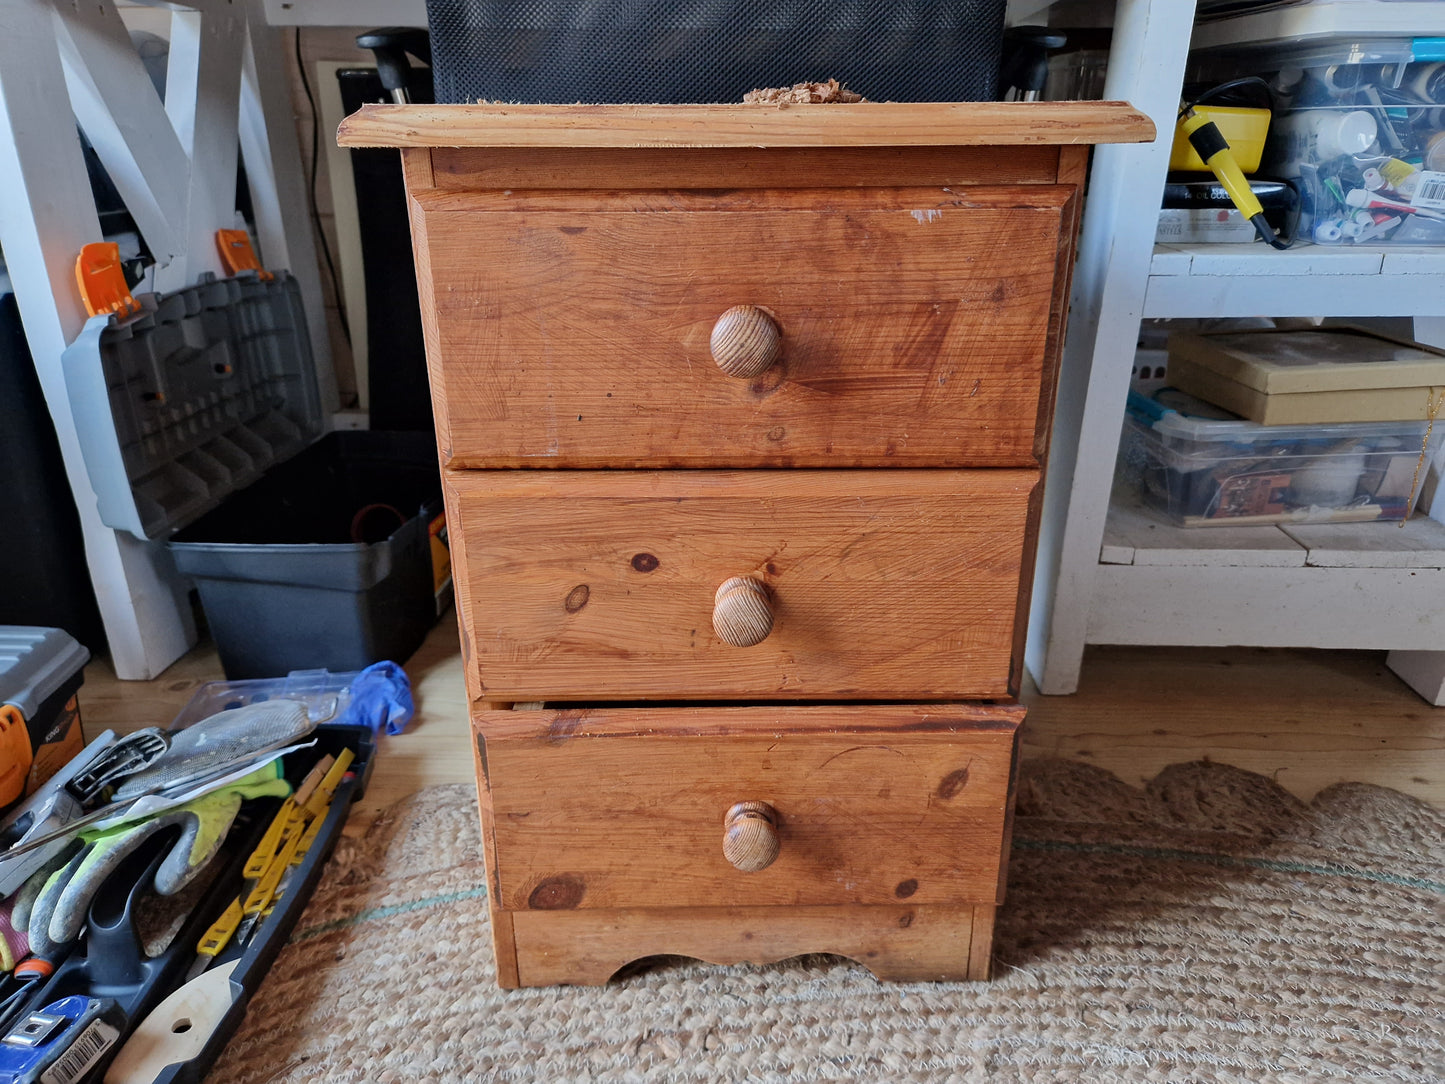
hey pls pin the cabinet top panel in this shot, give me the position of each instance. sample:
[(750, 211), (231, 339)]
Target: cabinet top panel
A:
[(865, 124)]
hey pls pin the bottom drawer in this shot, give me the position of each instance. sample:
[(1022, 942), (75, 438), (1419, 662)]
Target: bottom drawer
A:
[(614, 808)]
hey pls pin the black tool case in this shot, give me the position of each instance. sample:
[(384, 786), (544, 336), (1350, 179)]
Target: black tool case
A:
[(109, 961)]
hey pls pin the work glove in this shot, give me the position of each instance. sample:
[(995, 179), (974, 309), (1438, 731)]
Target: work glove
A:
[(59, 909)]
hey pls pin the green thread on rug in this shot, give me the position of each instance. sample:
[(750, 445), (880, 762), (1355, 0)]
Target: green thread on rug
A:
[(389, 911), (1275, 865)]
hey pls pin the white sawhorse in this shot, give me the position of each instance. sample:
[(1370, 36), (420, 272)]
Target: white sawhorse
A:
[(174, 164)]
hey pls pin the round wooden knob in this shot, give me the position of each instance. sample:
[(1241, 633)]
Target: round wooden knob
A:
[(746, 341), (742, 611), (750, 836)]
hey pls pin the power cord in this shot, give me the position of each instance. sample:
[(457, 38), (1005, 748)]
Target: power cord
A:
[(311, 192), (1213, 150)]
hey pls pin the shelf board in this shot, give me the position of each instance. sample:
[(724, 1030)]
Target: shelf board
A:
[(1420, 543), (1137, 535), (1364, 585), (1332, 19), (1204, 280), (1134, 535)]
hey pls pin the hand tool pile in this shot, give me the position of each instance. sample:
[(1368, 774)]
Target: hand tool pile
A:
[(127, 874)]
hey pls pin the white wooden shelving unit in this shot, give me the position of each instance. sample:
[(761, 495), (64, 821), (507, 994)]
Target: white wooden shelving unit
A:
[(173, 160), (1110, 572)]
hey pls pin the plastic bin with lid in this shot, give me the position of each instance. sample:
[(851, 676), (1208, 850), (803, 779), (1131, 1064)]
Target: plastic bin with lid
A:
[(1359, 126), (201, 423), (1202, 467)]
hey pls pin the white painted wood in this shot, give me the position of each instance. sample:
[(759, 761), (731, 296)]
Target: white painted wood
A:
[(1170, 260), (1232, 260), (1116, 246), (1156, 541), (1204, 281), (1431, 331), (118, 109), (278, 185), (1363, 608), (1323, 19), (1270, 294), (347, 219), (203, 85), (357, 13), (1423, 671), (1115, 551), (46, 215), (1413, 261), (1420, 543)]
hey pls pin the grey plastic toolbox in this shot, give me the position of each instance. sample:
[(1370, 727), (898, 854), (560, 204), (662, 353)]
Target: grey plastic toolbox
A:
[(192, 398), (35, 664), (40, 672)]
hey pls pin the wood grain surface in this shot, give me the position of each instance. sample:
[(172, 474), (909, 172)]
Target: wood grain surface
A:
[(899, 942), (870, 124), (474, 168), (914, 325), (586, 585), (875, 804)]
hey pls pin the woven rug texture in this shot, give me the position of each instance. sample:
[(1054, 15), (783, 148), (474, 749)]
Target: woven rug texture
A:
[(1207, 927)]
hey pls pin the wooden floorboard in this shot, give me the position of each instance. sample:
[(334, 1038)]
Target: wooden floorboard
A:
[(1306, 718)]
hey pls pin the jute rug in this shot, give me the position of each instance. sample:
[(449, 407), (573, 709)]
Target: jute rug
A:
[(1208, 927)]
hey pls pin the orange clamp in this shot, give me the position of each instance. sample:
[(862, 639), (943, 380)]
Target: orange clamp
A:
[(16, 754), (237, 254), (102, 280)]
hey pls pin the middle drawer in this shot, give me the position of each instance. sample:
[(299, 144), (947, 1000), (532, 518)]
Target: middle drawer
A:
[(605, 585)]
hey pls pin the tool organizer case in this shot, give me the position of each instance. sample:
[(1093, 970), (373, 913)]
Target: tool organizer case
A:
[(41, 670), (109, 961), (192, 398)]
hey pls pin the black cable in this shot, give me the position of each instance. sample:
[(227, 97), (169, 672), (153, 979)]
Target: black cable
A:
[(1253, 82), (311, 192)]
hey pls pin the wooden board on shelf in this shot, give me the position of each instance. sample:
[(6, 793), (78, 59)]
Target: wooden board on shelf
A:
[(1419, 544), (1135, 535), (1307, 607), (1204, 280)]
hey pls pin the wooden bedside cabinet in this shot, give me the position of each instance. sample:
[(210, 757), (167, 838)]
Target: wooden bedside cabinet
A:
[(742, 412)]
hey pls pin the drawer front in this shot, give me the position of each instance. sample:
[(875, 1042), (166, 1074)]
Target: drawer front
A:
[(616, 808), (912, 327), (588, 585)]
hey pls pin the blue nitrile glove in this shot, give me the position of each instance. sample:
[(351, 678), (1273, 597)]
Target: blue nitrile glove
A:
[(380, 696)]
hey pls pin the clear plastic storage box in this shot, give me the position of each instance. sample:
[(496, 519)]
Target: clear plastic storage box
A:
[(1204, 470), (1360, 127)]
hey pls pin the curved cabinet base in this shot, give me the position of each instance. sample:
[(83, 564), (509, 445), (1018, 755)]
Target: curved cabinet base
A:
[(895, 942)]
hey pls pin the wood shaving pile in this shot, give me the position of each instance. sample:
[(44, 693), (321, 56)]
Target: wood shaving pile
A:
[(803, 94)]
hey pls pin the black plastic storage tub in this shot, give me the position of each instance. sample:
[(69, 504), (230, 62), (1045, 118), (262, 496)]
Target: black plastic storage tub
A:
[(326, 562)]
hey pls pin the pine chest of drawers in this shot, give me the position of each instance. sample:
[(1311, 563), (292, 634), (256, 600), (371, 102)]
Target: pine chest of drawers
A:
[(742, 413)]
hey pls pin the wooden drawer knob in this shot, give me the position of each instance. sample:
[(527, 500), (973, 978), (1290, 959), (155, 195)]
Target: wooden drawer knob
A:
[(750, 836), (746, 341), (742, 611)]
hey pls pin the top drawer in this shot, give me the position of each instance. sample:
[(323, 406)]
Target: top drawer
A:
[(575, 329)]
